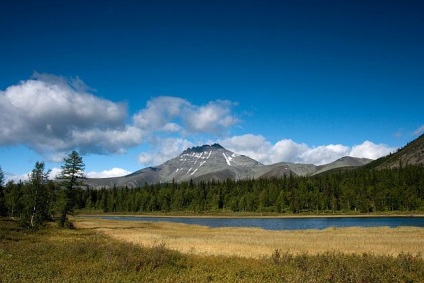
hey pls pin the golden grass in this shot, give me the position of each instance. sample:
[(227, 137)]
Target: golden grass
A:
[(256, 243)]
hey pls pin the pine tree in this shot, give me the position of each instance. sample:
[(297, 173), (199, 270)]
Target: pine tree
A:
[(71, 176)]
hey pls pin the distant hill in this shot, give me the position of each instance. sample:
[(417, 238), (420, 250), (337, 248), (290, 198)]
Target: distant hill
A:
[(344, 162), (213, 162), (412, 154)]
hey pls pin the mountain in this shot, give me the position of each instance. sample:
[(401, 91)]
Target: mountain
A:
[(344, 162), (411, 154), (213, 162)]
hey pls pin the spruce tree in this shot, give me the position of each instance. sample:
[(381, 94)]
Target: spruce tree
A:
[(71, 177)]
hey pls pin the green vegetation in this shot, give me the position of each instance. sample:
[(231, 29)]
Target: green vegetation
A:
[(70, 176), (39, 200), (74, 255), (54, 254), (31, 202), (355, 191), (3, 210)]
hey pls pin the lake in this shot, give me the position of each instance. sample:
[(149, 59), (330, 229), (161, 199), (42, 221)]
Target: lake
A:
[(283, 223)]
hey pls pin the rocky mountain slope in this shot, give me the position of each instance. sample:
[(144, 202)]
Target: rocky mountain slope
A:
[(412, 154), (213, 162)]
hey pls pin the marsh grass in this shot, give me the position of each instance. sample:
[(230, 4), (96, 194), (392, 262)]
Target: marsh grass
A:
[(256, 243), (86, 255)]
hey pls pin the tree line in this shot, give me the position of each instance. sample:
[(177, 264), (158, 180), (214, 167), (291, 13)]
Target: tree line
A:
[(38, 200), (362, 190)]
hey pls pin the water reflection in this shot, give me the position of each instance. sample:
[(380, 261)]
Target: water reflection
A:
[(283, 223)]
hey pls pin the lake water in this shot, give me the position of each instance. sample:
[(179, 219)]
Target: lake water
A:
[(283, 223)]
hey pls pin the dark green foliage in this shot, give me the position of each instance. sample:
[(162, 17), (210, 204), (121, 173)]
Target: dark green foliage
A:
[(31, 202), (357, 191), (37, 198), (365, 191), (71, 176), (14, 198)]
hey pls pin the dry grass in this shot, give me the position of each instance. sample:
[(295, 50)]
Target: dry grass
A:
[(256, 243), (85, 255)]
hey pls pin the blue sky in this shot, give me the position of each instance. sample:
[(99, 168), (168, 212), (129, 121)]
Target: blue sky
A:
[(131, 84)]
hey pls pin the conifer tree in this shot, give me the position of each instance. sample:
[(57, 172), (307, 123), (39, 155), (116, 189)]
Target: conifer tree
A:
[(71, 176)]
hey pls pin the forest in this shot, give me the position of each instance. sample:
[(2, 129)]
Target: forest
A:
[(361, 190)]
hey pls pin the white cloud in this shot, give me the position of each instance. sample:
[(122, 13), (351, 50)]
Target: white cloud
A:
[(25, 177), (107, 140), (213, 117), (16, 178), (419, 131), (174, 114), (254, 146), (54, 172), (287, 150), (54, 115), (114, 172), (163, 150), (324, 154), (370, 150), (159, 112)]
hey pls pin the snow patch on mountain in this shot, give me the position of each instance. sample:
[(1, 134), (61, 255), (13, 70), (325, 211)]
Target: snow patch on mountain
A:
[(227, 159)]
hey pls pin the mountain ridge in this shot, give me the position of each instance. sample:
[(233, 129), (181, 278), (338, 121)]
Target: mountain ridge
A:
[(214, 162)]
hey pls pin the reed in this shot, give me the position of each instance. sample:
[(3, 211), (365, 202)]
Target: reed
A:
[(256, 243), (89, 255)]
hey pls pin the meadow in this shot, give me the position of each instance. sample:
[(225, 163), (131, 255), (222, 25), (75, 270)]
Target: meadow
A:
[(258, 243), (92, 253)]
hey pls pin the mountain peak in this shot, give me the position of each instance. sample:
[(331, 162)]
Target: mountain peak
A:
[(203, 148)]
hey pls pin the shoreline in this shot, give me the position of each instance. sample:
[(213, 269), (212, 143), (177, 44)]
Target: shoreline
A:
[(217, 216)]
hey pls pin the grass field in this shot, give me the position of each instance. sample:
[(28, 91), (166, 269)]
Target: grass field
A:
[(89, 254), (256, 243)]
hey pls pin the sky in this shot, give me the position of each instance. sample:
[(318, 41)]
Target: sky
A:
[(131, 84)]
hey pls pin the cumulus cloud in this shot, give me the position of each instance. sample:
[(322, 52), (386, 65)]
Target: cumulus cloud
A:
[(25, 177), (287, 150), (174, 114), (213, 117), (16, 178), (54, 172), (254, 146), (114, 172), (260, 149), (163, 150), (370, 150), (159, 113), (325, 153), (51, 115), (54, 115)]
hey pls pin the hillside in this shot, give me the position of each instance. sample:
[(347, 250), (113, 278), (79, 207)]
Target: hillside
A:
[(214, 162), (411, 154)]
